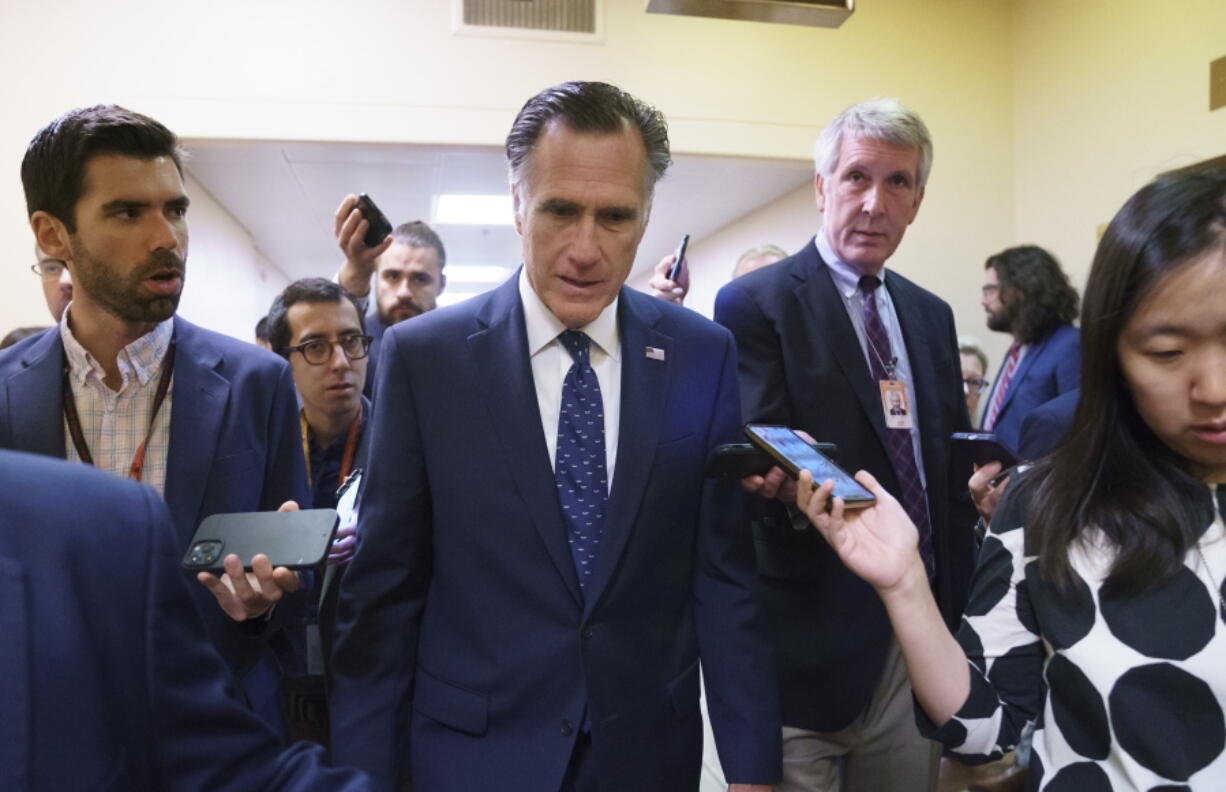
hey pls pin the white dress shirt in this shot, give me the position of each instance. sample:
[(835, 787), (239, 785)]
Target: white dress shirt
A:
[(114, 423), (550, 362)]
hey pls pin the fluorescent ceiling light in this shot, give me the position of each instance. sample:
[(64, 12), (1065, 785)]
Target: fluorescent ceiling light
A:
[(474, 210), (467, 273)]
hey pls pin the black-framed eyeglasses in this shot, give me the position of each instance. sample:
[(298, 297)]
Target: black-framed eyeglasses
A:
[(319, 351), (48, 269), (975, 385)]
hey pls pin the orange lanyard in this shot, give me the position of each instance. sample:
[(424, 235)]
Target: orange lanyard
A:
[(351, 447), (74, 419)]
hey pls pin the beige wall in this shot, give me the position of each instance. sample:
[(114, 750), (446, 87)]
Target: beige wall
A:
[(390, 70)]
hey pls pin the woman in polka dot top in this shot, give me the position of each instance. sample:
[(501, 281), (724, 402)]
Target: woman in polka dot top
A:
[(1096, 608)]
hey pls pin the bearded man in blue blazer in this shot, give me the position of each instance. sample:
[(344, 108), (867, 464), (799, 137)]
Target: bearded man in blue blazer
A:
[(541, 563), (1026, 294), (121, 383)]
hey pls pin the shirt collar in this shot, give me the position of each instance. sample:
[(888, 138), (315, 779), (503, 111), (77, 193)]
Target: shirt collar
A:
[(846, 277), (143, 357), (543, 327)]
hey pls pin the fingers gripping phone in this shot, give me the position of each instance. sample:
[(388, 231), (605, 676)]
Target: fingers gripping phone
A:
[(793, 454), (379, 225), (674, 271), (293, 539)]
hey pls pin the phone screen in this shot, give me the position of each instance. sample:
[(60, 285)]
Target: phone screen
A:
[(791, 449)]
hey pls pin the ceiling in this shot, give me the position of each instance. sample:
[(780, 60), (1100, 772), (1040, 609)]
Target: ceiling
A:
[(286, 194)]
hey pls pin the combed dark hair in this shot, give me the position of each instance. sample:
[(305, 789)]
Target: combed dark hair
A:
[(53, 170), (308, 290), (1033, 275), (589, 107), (418, 234), (1112, 472)]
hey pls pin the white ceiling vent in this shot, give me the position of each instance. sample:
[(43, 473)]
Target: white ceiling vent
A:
[(555, 20), (815, 13)]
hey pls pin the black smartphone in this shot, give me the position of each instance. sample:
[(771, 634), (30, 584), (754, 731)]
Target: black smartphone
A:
[(674, 271), (980, 448), (294, 539), (738, 460), (379, 226), (790, 452)]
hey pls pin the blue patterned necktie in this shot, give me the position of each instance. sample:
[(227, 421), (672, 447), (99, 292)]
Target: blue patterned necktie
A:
[(579, 467), (902, 452)]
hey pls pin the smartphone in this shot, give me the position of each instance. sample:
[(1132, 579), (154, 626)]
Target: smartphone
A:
[(379, 226), (980, 448), (790, 451), (294, 539), (674, 271), (738, 460)]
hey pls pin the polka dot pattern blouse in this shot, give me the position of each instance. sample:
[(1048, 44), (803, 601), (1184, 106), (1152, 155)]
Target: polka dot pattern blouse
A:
[(1128, 692)]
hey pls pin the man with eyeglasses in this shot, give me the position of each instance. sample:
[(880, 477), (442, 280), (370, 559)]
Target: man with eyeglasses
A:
[(57, 282), (317, 327)]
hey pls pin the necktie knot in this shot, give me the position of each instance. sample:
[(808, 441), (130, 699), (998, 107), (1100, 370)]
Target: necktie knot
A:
[(577, 344), (869, 284)]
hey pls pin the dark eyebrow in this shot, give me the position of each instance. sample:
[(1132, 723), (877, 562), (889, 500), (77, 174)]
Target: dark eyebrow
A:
[(557, 205), (182, 202), (1164, 329), (111, 206)]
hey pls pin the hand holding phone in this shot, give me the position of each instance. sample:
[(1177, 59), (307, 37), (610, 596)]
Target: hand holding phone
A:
[(793, 454), (379, 226), (293, 539)]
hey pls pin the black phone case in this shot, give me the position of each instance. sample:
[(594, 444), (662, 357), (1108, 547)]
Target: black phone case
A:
[(980, 448), (294, 539), (738, 460), (379, 225)]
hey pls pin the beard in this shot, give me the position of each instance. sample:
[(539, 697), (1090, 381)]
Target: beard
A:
[(1000, 322), (400, 311), (123, 295)]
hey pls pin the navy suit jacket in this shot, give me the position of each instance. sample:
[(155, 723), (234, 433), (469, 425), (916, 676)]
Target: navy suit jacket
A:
[(1047, 424), (464, 643), (1051, 367), (801, 365), (234, 447), (107, 679)]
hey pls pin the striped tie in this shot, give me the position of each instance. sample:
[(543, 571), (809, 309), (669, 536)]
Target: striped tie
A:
[(1002, 387)]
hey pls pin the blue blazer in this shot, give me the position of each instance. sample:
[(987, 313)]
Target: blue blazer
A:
[(465, 648), (801, 365), (1044, 429), (107, 679), (234, 446), (1050, 368)]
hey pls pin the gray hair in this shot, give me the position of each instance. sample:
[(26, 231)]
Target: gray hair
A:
[(878, 119), (588, 107)]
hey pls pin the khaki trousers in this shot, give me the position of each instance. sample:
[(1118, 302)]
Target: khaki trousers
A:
[(880, 751)]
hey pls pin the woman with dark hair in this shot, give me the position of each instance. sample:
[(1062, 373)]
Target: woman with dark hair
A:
[(1097, 603)]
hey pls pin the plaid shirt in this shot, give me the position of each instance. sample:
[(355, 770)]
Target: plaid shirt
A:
[(115, 422)]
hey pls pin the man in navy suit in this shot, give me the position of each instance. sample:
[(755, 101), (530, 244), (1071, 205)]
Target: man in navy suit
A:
[(122, 383), (541, 563), (831, 342), (92, 697), (1026, 294)]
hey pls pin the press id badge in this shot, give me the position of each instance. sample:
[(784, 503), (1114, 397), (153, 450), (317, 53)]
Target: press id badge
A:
[(895, 405)]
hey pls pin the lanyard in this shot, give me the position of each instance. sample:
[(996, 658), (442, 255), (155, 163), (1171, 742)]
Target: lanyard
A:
[(351, 446), (74, 419)]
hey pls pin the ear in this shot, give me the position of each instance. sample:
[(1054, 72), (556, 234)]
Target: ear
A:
[(819, 185), (442, 282), (519, 205), (51, 235), (919, 198)]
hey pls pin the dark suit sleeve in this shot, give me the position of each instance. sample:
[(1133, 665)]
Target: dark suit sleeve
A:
[(763, 381), (203, 737), (285, 470), (384, 590), (1068, 369), (737, 661)]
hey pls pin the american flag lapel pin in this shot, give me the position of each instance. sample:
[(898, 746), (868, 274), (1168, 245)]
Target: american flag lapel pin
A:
[(655, 353)]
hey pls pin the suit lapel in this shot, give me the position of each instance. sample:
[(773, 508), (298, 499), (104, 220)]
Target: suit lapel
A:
[(15, 747), (1019, 375), (35, 396), (198, 403), (643, 389), (828, 319), (500, 349)]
